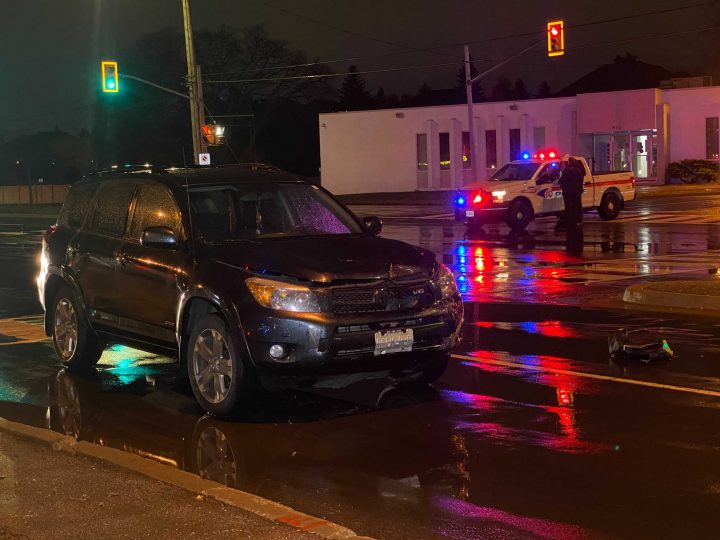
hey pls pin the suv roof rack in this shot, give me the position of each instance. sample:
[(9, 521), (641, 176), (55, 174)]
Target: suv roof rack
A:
[(165, 169)]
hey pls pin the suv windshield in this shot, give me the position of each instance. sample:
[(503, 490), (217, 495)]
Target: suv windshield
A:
[(516, 171), (249, 212)]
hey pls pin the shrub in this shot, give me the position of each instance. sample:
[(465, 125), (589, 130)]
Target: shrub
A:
[(694, 171)]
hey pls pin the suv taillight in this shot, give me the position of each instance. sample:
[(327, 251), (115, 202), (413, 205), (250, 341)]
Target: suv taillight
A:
[(49, 233)]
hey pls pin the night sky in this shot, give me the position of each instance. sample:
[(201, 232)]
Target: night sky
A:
[(50, 49)]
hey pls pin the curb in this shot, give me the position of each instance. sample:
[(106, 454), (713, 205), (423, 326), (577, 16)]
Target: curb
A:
[(248, 502), (641, 294)]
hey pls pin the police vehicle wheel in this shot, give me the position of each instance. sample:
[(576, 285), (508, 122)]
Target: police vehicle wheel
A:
[(609, 207), (519, 215)]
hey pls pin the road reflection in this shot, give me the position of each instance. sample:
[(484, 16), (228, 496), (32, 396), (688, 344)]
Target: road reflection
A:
[(406, 451)]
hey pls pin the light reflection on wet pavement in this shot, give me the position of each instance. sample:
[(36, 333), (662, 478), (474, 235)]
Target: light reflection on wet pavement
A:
[(508, 445)]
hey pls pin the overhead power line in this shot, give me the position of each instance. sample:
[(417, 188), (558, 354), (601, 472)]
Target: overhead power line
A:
[(329, 75), (410, 49), (434, 66)]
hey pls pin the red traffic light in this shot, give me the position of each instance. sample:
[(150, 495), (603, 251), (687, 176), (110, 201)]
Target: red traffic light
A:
[(556, 38)]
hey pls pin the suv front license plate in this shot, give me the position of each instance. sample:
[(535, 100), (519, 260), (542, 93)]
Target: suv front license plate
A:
[(393, 341), (469, 213)]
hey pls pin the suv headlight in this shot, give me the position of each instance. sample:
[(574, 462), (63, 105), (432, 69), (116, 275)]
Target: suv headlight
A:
[(446, 282), (283, 296)]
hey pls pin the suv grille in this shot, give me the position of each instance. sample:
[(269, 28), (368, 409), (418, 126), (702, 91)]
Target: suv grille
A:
[(383, 298)]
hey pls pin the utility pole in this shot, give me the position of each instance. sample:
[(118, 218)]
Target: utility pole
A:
[(471, 118), (469, 81), (197, 109)]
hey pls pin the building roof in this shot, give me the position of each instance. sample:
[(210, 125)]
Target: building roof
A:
[(625, 73)]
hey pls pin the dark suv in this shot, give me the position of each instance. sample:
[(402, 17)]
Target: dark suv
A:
[(248, 275)]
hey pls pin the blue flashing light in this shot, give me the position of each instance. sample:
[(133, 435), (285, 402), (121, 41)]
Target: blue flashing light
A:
[(460, 201), (526, 155), (554, 164)]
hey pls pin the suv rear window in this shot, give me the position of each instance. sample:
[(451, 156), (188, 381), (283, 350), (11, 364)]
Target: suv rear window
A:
[(77, 205), (111, 213)]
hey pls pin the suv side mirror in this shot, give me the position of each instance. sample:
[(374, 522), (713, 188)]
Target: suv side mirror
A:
[(159, 237), (373, 225)]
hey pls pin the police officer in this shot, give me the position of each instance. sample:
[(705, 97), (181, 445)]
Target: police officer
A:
[(571, 182)]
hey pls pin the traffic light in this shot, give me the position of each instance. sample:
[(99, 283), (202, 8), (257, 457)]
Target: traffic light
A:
[(556, 38), (109, 77)]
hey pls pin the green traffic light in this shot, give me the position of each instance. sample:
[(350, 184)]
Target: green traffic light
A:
[(109, 70)]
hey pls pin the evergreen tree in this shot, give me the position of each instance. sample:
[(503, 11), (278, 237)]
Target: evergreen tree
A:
[(502, 91), (381, 101), (544, 90), (353, 93), (424, 96), (519, 90)]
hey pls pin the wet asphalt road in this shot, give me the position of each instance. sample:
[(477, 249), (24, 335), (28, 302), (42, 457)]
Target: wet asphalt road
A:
[(531, 433)]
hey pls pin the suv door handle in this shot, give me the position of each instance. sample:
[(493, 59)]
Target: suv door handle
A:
[(123, 259)]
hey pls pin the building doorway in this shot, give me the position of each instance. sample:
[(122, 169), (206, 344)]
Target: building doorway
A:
[(634, 151)]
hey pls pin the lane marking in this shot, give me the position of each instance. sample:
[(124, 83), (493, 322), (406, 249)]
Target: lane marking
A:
[(25, 342), (558, 371), (22, 331)]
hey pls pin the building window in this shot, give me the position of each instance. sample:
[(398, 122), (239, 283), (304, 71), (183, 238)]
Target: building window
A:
[(539, 137), (466, 151), (514, 144), (444, 150), (422, 160), (491, 149), (712, 141)]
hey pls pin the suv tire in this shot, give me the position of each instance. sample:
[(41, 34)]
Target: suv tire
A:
[(215, 368), (519, 215), (76, 344)]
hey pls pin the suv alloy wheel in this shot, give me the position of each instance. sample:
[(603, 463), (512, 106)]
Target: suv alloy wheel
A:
[(215, 369), (76, 345)]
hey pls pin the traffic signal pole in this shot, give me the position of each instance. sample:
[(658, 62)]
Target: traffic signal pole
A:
[(197, 109)]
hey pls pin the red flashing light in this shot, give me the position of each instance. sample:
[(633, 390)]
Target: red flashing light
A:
[(542, 156), (477, 199), (554, 31), (552, 155)]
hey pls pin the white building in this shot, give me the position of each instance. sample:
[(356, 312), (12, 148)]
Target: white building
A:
[(427, 148)]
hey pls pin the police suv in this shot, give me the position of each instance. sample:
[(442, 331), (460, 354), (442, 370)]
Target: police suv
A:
[(523, 189)]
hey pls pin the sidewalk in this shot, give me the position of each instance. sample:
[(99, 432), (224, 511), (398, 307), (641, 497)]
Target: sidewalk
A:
[(46, 494), (685, 294)]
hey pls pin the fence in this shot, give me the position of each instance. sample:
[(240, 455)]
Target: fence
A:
[(37, 194)]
